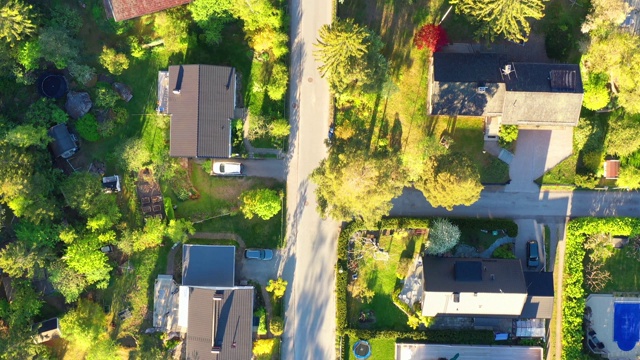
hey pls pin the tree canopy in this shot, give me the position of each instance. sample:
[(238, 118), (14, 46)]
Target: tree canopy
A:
[(443, 236), (623, 136), (16, 21), (356, 186), (455, 180), (507, 18), (350, 56), (265, 203)]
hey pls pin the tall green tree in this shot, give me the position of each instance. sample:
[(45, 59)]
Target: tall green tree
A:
[(16, 21), (629, 178), (455, 180), (350, 54), (28, 135), (615, 54), (20, 260), (507, 18), (443, 236), (265, 203), (623, 135), (58, 46), (84, 325), (83, 192), (67, 281), (355, 186), (84, 256)]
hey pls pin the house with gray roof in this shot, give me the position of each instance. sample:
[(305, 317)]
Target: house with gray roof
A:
[(201, 102), (215, 313), (530, 95), (484, 287)]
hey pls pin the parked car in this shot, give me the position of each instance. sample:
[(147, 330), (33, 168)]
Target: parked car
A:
[(228, 169), (533, 259), (258, 254), (106, 249)]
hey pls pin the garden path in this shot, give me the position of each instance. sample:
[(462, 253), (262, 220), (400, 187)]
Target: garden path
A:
[(505, 240)]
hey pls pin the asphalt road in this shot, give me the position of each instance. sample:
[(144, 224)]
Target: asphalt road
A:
[(524, 205), (309, 257)]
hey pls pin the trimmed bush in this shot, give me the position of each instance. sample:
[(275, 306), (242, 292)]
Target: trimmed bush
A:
[(470, 337), (87, 127)]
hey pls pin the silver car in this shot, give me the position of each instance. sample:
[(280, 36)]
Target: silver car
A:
[(258, 254)]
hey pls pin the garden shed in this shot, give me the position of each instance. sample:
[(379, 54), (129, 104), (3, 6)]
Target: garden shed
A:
[(63, 144)]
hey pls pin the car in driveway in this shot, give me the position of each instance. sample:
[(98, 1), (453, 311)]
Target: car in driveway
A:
[(533, 257), (225, 168), (258, 254)]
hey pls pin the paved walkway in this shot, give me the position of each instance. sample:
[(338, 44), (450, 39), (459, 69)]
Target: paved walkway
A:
[(505, 240)]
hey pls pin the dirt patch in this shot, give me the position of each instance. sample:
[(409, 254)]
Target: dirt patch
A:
[(150, 195)]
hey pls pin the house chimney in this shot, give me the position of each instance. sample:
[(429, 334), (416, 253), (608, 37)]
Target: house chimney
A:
[(493, 277), (176, 91)]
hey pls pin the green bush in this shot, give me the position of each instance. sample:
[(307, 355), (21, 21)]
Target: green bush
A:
[(168, 208), (105, 97), (262, 326), (596, 94), (504, 252), (114, 62), (276, 325), (507, 134), (87, 127)]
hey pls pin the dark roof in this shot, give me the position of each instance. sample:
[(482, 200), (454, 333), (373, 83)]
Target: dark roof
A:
[(468, 270), (225, 324), (46, 325), (201, 104), (455, 67), (497, 275), (534, 94), (208, 265), (539, 283), (539, 304), (535, 77), (129, 9), (62, 141)]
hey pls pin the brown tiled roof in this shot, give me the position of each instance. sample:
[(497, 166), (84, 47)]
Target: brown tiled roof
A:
[(611, 169), (201, 112), (129, 9), (224, 324)]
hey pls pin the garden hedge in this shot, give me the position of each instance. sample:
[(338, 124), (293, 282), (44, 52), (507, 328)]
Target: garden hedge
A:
[(470, 337), (573, 296)]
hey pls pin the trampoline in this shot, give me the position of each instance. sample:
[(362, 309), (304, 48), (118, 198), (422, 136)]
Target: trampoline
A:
[(626, 325), (52, 85), (362, 349)]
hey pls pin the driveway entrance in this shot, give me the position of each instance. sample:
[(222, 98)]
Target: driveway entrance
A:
[(537, 151)]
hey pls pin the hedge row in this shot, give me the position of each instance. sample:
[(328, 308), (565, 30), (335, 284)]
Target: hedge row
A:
[(468, 225), (469, 337), (573, 296)]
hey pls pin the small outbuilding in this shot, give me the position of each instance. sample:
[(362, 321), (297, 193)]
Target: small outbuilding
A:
[(63, 144), (611, 169), (47, 330), (111, 184)]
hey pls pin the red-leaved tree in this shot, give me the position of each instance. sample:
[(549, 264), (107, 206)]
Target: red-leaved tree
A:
[(431, 36)]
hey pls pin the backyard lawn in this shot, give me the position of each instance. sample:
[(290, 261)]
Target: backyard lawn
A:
[(381, 349), (625, 272), (381, 276)]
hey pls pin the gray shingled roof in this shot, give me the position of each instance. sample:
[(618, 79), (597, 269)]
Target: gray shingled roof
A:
[(507, 276), (61, 142), (225, 324), (202, 111), (540, 293), (535, 94), (208, 265)]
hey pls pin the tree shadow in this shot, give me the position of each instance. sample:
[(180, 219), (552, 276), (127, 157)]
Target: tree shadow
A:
[(396, 134)]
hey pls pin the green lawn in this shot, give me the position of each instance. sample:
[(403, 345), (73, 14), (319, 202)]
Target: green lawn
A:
[(381, 349), (381, 277), (625, 272), (196, 241), (562, 174)]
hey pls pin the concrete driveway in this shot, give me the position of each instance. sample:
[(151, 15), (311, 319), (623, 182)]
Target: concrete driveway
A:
[(258, 270), (529, 229), (537, 151)]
